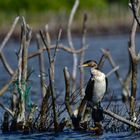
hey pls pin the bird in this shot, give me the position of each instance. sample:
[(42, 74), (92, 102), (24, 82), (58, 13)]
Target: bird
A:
[(94, 92)]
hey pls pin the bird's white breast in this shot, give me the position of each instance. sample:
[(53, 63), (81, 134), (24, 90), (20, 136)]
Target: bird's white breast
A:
[(99, 87)]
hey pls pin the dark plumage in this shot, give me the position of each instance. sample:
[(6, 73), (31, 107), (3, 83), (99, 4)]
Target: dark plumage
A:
[(95, 90)]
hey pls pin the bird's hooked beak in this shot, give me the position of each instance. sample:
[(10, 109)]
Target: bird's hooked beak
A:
[(89, 63), (84, 65)]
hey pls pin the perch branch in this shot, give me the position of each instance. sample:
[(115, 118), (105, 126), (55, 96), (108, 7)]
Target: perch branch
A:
[(117, 117), (121, 119)]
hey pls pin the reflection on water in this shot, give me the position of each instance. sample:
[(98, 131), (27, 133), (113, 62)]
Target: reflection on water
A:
[(71, 135), (118, 48)]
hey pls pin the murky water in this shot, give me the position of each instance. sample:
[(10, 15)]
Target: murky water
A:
[(118, 48)]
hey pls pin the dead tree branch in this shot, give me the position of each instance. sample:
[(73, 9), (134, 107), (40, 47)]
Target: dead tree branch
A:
[(134, 58), (113, 64), (52, 73), (83, 45), (60, 46), (67, 86), (6, 64), (121, 119), (6, 86), (117, 117), (75, 61), (9, 34), (41, 67), (132, 5)]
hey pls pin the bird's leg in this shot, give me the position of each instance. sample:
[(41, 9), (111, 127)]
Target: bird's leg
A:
[(97, 116)]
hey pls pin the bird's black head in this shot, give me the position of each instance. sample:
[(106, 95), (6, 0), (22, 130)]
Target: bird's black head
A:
[(90, 63)]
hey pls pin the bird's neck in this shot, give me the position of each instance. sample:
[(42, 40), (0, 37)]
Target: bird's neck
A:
[(97, 74)]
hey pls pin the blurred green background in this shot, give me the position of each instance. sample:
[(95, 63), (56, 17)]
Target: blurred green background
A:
[(101, 13), (17, 6)]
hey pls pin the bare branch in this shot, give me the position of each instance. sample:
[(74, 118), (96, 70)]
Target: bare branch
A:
[(132, 5), (6, 86), (67, 95), (60, 46), (117, 117), (9, 34), (47, 44), (75, 61), (112, 71), (83, 45), (55, 119), (6, 64), (41, 67), (121, 119), (57, 43), (134, 58)]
